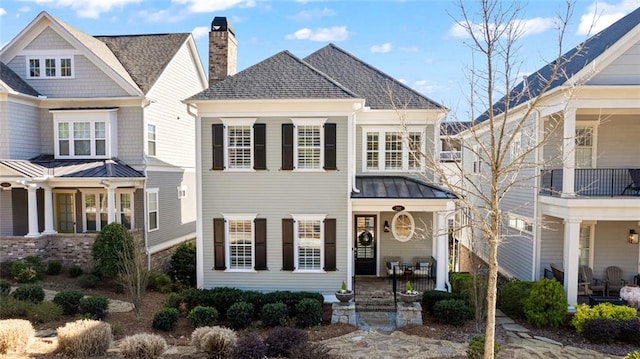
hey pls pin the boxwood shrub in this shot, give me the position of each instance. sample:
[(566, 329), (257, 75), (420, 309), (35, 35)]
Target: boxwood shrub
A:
[(95, 307), (546, 305), (431, 297), (166, 319), (309, 312), (240, 315), (274, 314), (511, 297), (452, 311), (69, 300), (31, 292), (203, 316)]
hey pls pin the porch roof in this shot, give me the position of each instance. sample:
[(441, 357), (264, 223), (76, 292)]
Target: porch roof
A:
[(73, 168), (398, 187)]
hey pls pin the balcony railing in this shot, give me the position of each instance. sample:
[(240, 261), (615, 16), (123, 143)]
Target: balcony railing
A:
[(589, 182), (450, 156)]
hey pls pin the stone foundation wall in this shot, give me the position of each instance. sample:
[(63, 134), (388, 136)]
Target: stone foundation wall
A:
[(160, 261)]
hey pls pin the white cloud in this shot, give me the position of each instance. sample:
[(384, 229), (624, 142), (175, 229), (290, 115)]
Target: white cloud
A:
[(602, 14), (312, 14), (200, 32), (171, 15), (383, 49), (323, 34), (423, 86), (402, 81), (87, 8), (526, 27), (3, 11), (200, 6)]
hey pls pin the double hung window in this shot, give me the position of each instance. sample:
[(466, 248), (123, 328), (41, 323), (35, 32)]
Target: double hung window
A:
[(309, 239), (85, 134), (240, 242), (388, 149), (152, 209), (49, 66)]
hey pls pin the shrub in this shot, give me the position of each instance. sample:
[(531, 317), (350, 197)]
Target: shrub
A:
[(633, 355), (600, 311), (117, 328), (215, 341), (44, 312), (112, 240), (203, 316), (69, 300), (291, 299), (475, 350), (27, 270), (15, 335), (431, 297), (94, 307), (250, 347), (5, 269), (173, 300), (240, 315), (182, 267), (5, 287), (461, 284), (256, 298), (629, 330), (32, 293), (273, 314), (452, 311), (10, 308), (511, 297), (309, 312), (75, 271), (159, 282), (54, 267), (143, 346), (546, 305), (88, 280), (280, 340), (222, 298), (84, 338), (604, 331), (166, 319)]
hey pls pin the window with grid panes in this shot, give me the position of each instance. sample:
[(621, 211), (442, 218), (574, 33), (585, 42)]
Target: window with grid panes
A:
[(309, 146), (415, 143), (49, 67), (373, 146), (393, 151), (584, 147), (241, 244), (309, 245), (239, 147)]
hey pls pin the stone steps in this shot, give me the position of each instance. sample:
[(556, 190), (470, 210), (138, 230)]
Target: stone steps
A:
[(378, 301)]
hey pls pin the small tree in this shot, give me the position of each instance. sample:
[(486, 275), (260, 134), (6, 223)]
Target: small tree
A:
[(113, 239), (133, 274)]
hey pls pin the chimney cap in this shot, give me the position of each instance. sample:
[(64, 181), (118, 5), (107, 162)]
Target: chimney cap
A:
[(220, 23)]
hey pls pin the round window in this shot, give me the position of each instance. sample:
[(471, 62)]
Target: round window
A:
[(402, 226)]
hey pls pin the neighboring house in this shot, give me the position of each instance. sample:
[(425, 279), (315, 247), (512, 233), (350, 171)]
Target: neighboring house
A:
[(298, 158), (93, 131), (585, 207)]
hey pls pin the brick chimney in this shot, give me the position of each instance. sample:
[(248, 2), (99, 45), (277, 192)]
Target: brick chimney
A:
[(223, 50)]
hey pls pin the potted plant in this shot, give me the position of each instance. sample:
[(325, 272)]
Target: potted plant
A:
[(408, 295), (344, 295)]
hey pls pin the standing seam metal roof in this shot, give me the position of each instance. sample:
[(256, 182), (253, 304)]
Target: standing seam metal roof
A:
[(398, 187)]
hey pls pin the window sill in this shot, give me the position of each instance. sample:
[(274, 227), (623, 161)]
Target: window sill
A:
[(308, 170), (153, 230), (312, 271), (239, 170), (240, 271)]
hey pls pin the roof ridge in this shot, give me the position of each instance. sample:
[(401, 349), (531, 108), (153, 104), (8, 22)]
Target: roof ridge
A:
[(327, 77), (139, 35)]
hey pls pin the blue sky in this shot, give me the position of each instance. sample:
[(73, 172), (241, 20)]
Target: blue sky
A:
[(416, 42)]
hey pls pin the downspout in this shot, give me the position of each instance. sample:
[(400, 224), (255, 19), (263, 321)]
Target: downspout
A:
[(146, 103), (352, 138)]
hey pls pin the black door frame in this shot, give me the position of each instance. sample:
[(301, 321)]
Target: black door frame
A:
[(374, 230)]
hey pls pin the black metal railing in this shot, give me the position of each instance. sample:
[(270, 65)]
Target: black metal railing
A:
[(589, 182), (421, 279)]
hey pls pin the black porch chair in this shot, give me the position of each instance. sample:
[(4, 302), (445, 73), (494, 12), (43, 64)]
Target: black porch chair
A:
[(635, 181)]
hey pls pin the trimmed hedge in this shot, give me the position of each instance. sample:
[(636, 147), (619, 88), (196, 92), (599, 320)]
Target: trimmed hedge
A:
[(546, 305), (511, 297), (431, 297)]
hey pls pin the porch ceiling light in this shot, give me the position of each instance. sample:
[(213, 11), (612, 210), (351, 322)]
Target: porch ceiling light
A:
[(633, 236), (398, 208)]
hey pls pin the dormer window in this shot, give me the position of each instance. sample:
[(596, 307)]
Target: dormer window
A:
[(85, 133), (49, 67)]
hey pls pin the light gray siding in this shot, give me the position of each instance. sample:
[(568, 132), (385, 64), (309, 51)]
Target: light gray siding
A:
[(420, 245), (617, 142), (515, 255), (131, 136), (172, 223), (275, 194), (551, 243), (48, 39), (175, 131), (611, 248), (622, 71), (19, 131), (6, 213)]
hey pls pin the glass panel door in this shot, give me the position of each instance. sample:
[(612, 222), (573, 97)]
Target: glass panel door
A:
[(65, 216), (365, 245)]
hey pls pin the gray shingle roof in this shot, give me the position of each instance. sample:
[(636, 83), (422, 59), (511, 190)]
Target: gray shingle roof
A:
[(89, 168), (282, 76), (398, 187), (451, 128), (587, 51), (15, 82), (144, 56), (368, 82)]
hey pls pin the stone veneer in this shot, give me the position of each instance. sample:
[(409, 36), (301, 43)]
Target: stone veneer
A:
[(70, 249), (408, 314), (344, 313)]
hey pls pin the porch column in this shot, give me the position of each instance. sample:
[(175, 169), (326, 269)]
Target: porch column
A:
[(571, 261), (111, 204), (32, 203), (568, 153), (442, 273), (48, 211)]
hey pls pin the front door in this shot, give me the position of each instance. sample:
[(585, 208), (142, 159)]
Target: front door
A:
[(365, 245), (64, 213)]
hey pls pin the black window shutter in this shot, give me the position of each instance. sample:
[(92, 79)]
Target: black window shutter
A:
[(259, 146), (330, 146), (261, 244), (287, 146), (287, 244), (330, 244), (218, 146), (218, 244)]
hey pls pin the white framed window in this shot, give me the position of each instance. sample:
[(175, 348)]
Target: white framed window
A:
[(308, 242), (96, 212), (47, 67), (585, 150), (238, 134), (403, 226), (587, 234), (477, 161), (152, 209), (520, 223), (388, 149), (240, 241), (308, 139), (151, 139), (182, 192), (516, 149), (85, 133)]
